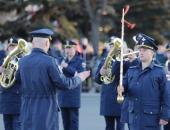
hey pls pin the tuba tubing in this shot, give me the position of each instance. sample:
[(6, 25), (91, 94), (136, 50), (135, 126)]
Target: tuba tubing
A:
[(108, 78), (10, 64)]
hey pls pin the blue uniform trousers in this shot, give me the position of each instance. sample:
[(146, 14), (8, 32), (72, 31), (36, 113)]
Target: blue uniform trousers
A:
[(70, 118), (12, 121), (110, 123)]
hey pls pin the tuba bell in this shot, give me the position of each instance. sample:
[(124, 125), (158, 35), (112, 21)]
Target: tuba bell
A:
[(114, 52), (10, 63)]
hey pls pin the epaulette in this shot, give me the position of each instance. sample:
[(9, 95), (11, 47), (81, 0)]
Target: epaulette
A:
[(156, 65)]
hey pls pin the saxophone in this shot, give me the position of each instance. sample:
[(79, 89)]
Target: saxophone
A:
[(115, 51), (10, 63)]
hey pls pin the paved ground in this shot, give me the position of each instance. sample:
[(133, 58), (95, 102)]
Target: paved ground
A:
[(89, 114)]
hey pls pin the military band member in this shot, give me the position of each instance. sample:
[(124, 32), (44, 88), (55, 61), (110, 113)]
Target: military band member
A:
[(167, 69), (145, 85), (41, 79), (133, 60), (70, 106), (56, 51), (109, 108), (167, 64), (10, 98)]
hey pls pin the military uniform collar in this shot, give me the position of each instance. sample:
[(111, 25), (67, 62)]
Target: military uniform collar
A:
[(150, 66), (38, 50)]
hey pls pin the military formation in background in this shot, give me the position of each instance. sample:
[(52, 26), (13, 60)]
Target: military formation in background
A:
[(48, 78)]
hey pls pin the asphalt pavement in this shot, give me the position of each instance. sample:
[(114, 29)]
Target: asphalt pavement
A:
[(89, 114)]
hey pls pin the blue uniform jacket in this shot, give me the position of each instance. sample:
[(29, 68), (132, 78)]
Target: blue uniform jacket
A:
[(2, 56), (168, 86), (56, 54), (124, 109), (74, 65), (10, 99), (147, 96), (40, 79), (108, 102)]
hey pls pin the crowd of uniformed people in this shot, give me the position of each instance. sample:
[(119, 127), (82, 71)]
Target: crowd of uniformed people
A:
[(50, 80)]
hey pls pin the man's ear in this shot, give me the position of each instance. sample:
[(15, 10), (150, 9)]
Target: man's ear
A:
[(47, 43)]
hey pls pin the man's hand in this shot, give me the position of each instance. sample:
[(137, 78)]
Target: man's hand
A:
[(103, 71), (83, 75), (64, 64), (163, 122), (120, 90)]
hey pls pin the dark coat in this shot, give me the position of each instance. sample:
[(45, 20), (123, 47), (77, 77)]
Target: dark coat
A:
[(75, 65), (40, 78), (167, 127), (2, 56), (56, 54), (124, 109), (10, 99), (147, 97), (108, 102)]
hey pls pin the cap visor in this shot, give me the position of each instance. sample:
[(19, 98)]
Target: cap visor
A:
[(145, 46)]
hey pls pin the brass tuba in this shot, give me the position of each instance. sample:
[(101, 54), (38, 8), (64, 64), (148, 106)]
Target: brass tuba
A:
[(114, 52), (10, 63)]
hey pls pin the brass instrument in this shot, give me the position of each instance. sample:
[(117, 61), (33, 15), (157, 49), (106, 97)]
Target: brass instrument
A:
[(10, 63), (167, 70), (108, 78), (130, 53)]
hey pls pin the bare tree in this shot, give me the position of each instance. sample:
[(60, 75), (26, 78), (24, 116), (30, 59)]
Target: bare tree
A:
[(95, 22)]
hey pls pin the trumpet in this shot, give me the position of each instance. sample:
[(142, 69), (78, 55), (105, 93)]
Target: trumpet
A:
[(130, 53)]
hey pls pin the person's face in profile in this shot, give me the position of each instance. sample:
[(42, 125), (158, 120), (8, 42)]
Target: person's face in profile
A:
[(11, 47), (70, 51)]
